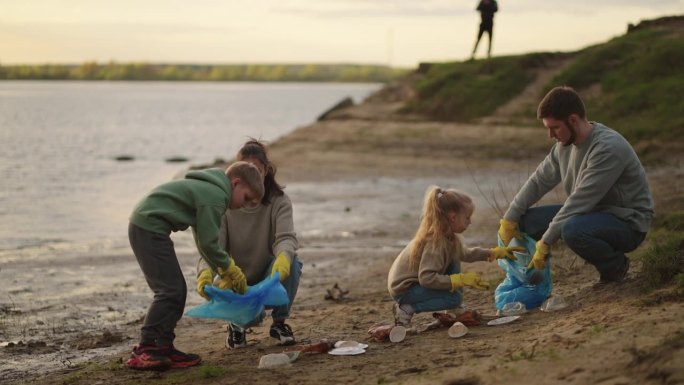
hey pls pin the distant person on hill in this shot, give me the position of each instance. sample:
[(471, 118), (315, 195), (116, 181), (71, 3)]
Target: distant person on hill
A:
[(487, 9), (609, 207), (198, 201), (426, 276), (262, 240)]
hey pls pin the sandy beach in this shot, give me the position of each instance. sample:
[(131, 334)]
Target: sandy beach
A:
[(357, 180)]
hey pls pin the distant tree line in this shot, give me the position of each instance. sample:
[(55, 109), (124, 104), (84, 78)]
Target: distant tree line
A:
[(180, 72)]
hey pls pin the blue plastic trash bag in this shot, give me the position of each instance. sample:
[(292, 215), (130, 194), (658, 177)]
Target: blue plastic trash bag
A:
[(529, 286), (241, 309)]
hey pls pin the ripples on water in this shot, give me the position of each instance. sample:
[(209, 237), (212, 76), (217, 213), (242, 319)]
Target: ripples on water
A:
[(60, 182)]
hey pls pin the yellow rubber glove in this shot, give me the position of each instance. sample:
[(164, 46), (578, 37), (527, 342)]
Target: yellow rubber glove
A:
[(508, 230), (468, 279), (282, 266), (540, 256), (233, 278), (500, 252), (225, 283), (204, 278)]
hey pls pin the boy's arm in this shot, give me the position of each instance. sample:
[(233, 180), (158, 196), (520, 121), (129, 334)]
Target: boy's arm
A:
[(207, 236)]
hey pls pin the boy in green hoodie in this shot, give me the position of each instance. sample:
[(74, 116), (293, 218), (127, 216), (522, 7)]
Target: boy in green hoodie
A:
[(198, 201)]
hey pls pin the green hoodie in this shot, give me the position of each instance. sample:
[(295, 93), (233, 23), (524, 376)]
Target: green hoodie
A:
[(199, 200)]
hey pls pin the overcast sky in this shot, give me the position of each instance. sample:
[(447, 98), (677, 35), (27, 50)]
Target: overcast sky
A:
[(395, 32)]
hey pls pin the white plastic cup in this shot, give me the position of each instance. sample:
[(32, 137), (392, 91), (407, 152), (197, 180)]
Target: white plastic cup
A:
[(397, 334), (514, 308), (457, 330), (277, 360), (554, 303)]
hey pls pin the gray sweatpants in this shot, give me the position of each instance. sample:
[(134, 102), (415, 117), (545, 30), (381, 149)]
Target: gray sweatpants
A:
[(157, 259)]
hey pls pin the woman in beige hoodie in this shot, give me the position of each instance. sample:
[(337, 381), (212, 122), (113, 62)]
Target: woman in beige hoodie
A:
[(262, 241)]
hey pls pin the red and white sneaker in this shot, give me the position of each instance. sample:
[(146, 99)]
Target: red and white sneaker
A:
[(178, 358), (148, 357)]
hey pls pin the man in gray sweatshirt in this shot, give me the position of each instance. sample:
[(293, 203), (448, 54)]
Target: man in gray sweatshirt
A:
[(609, 207)]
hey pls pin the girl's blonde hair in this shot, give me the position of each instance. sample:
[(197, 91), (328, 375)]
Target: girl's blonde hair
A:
[(434, 230)]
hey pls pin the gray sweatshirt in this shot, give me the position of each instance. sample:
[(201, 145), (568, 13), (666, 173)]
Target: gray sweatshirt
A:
[(603, 174), (254, 237), (432, 270)]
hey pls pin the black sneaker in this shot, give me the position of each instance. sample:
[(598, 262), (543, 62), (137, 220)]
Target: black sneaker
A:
[(236, 337), (283, 333), (617, 275), (178, 358)]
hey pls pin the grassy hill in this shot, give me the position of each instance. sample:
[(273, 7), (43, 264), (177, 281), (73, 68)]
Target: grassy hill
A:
[(634, 83)]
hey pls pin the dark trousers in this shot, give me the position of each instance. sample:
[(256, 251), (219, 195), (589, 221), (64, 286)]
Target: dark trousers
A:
[(158, 262), (484, 27), (599, 238)]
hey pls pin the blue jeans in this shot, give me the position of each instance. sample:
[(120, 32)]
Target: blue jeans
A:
[(599, 238), (423, 299), (291, 284)]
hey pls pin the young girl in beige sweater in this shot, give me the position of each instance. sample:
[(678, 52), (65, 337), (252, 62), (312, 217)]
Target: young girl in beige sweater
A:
[(426, 276)]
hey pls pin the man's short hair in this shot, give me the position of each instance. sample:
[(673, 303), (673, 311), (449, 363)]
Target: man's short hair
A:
[(560, 103)]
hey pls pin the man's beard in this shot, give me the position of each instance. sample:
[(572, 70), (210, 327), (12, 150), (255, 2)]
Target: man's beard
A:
[(573, 133)]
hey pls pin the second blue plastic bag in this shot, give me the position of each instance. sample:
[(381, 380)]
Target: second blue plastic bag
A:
[(241, 309), (529, 286)]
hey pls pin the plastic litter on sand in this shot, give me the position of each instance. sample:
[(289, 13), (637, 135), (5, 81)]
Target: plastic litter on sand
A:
[(457, 330), (514, 308), (554, 303), (347, 351), (503, 320), (350, 344), (277, 360)]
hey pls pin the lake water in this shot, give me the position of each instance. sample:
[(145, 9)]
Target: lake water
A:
[(60, 182)]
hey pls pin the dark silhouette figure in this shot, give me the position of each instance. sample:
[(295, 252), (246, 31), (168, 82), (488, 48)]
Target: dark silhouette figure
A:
[(487, 8)]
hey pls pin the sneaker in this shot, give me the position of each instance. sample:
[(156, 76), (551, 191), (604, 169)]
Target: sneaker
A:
[(236, 337), (178, 358), (401, 316), (283, 333), (148, 357), (617, 275)]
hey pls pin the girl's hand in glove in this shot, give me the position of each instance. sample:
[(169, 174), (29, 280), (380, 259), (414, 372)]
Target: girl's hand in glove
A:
[(468, 279)]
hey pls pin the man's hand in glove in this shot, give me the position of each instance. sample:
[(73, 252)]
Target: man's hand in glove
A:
[(540, 256), (508, 230)]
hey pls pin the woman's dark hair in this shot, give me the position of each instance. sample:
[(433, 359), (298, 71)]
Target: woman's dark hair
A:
[(256, 149)]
